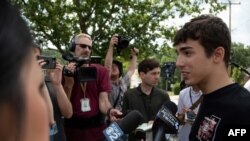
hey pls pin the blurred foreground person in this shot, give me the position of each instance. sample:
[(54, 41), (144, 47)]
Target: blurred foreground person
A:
[(23, 114)]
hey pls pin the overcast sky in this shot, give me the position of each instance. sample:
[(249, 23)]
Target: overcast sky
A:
[(240, 20)]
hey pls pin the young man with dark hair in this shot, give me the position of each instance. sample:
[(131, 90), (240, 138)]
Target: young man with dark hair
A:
[(146, 98), (203, 49)]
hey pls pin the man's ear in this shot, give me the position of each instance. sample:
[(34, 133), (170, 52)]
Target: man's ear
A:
[(219, 54), (141, 74)]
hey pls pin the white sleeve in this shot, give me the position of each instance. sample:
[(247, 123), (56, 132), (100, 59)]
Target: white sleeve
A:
[(247, 85), (180, 103)]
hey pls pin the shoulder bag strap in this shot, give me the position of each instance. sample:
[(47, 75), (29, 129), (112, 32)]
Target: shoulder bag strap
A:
[(196, 103)]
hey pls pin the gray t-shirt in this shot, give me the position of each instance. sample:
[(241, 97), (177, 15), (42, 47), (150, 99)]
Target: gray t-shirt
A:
[(118, 91)]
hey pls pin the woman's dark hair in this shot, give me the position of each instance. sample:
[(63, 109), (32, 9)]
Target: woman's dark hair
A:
[(15, 46), (210, 31)]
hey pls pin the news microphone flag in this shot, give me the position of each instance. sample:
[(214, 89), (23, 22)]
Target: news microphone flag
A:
[(114, 133), (167, 117), (117, 130)]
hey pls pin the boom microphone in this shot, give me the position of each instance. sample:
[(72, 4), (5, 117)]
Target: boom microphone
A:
[(117, 130), (165, 121)]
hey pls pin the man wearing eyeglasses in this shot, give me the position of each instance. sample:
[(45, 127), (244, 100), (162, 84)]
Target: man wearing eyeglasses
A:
[(89, 99)]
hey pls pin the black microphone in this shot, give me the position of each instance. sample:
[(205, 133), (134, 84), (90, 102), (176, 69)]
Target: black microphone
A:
[(117, 131), (165, 121)]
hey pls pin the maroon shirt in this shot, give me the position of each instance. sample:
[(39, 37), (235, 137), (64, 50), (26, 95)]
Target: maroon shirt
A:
[(93, 89)]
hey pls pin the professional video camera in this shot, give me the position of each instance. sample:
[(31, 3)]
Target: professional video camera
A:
[(83, 74), (123, 42)]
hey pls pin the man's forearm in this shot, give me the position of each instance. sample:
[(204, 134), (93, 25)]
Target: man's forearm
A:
[(109, 58), (68, 90)]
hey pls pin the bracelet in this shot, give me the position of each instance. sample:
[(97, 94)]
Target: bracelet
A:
[(108, 112)]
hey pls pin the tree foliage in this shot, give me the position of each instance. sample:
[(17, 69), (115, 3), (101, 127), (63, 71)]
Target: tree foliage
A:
[(57, 21), (240, 57)]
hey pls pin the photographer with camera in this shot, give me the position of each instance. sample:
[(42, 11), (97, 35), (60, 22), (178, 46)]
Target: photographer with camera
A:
[(90, 98), (57, 101), (119, 83), (188, 105)]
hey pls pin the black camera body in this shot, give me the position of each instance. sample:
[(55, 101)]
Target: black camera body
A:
[(123, 42), (50, 62), (83, 74)]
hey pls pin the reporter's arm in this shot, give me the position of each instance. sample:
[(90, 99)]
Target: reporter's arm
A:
[(109, 56), (62, 99), (106, 108), (69, 81), (133, 62)]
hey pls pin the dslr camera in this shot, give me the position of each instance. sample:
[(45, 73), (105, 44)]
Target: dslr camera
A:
[(83, 74), (123, 42), (50, 62)]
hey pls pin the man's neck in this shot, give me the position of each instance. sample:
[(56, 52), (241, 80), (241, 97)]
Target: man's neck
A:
[(213, 83), (146, 88)]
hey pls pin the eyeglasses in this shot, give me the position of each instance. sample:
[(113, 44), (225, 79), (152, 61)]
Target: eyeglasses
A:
[(85, 46)]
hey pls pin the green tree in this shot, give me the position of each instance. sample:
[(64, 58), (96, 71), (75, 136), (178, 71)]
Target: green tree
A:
[(56, 21), (240, 61), (241, 54)]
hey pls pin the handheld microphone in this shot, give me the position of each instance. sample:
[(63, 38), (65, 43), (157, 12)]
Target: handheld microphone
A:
[(165, 121), (117, 131)]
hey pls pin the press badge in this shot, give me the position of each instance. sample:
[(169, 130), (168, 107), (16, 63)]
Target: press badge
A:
[(85, 107)]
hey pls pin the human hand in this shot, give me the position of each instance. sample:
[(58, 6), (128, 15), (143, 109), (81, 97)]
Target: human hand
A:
[(134, 51), (56, 74), (113, 40), (115, 115), (71, 67)]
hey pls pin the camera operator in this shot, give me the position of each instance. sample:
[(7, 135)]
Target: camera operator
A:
[(119, 86), (187, 98), (89, 99), (57, 101)]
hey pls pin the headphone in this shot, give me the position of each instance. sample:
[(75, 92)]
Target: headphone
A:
[(72, 44)]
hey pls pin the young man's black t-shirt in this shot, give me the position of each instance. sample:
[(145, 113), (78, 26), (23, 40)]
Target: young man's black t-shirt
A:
[(221, 110)]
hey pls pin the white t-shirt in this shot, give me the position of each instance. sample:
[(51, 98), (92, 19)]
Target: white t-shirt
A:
[(247, 85), (185, 102)]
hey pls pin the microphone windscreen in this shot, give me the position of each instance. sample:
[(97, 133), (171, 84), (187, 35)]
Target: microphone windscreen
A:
[(171, 106), (131, 121), (166, 118)]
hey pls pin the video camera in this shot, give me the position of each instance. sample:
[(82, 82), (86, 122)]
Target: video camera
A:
[(123, 42), (83, 74)]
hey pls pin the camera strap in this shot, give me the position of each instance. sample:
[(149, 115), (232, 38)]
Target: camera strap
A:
[(83, 86)]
